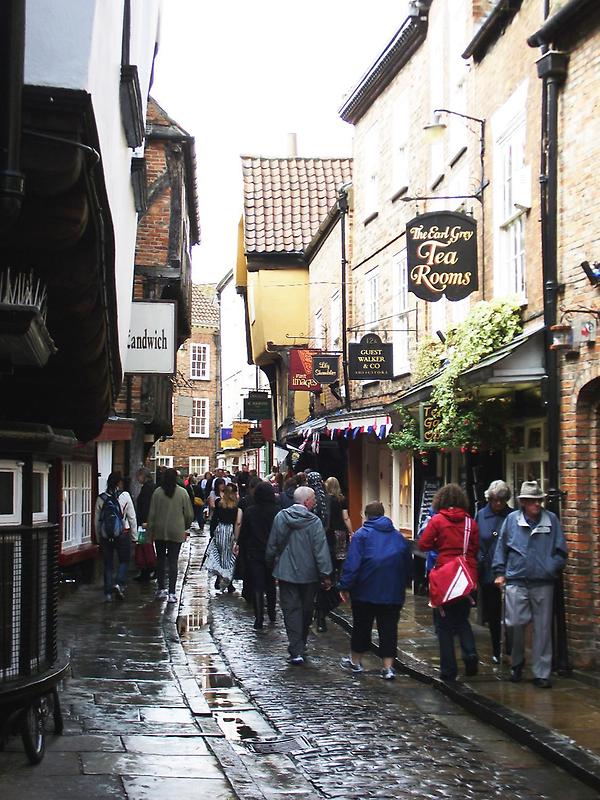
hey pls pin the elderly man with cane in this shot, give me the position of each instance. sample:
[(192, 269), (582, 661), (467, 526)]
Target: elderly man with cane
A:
[(530, 554)]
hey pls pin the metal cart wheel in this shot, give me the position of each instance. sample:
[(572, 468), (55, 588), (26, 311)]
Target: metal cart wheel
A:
[(33, 730)]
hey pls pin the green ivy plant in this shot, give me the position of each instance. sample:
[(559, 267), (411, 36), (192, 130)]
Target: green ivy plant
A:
[(427, 359), (465, 421)]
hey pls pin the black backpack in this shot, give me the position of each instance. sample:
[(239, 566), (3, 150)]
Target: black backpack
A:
[(111, 517)]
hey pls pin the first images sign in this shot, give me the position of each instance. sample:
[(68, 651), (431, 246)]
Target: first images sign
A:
[(441, 252)]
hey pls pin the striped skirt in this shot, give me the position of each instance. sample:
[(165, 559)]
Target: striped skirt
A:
[(219, 558)]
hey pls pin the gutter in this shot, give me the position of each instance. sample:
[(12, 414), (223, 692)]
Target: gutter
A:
[(12, 58), (396, 55), (493, 26), (561, 22)]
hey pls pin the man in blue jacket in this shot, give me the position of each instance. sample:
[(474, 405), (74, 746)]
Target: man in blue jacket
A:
[(375, 574), (530, 554)]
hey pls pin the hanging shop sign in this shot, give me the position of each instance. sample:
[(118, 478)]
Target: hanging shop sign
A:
[(370, 359), (257, 406), (429, 420), (300, 377), (325, 369), (441, 252), (239, 430), (151, 343), (254, 439)]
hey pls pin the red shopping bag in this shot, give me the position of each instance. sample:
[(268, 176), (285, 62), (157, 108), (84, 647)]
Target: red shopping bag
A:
[(453, 580)]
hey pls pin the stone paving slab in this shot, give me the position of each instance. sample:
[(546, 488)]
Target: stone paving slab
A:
[(149, 788)]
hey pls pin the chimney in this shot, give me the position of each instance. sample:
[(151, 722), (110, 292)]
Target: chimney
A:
[(292, 145)]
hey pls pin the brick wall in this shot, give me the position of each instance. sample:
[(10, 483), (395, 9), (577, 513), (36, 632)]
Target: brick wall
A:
[(579, 240), (181, 445)]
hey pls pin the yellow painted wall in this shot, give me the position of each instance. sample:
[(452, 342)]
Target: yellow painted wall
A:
[(277, 306)]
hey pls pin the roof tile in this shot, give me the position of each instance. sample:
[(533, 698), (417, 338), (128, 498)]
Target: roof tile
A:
[(287, 199)]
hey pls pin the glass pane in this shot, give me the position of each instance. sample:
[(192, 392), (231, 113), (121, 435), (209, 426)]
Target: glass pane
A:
[(535, 438), (37, 499), (7, 488)]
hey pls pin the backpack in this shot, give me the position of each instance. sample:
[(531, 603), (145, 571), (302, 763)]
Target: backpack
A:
[(111, 517)]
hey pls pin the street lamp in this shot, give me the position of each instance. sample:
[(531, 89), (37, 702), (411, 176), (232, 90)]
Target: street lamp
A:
[(435, 129)]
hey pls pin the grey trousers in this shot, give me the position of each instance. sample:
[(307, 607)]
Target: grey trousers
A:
[(297, 601), (524, 603)]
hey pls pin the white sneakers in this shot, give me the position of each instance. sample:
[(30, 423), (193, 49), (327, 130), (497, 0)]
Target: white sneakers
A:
[(171, 598), (161, 594), (388, 674)]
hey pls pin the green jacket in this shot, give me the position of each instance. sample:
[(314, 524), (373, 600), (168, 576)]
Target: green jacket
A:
[(170, 517)]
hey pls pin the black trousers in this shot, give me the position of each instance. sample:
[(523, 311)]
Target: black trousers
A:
[(262, 582), (491, 601), (386, 616), (167, 555)]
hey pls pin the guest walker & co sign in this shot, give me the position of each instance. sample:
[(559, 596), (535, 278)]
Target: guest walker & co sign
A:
[(441, 252), (370, 359)]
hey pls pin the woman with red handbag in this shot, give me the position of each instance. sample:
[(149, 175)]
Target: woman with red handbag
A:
[(455, 537)]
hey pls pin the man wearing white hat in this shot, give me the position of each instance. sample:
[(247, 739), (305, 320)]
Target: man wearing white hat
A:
[(530, 554)]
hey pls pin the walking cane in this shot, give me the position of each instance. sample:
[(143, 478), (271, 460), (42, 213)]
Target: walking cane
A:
[(502, 629)]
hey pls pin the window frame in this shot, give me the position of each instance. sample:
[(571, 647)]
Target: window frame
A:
[(204, 432), (401, 309), (371, 299), (16, 468), (205, 460), (194, 348), (77, 504), (44, 470)]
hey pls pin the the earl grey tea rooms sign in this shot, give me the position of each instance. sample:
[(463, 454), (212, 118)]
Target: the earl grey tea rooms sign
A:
[(370, 359), (441, 253)]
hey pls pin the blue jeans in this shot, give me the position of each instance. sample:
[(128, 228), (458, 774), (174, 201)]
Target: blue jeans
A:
[(454, 622), (122, 547)]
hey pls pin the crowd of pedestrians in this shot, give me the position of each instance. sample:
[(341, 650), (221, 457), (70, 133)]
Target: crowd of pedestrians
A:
[(294, 533)]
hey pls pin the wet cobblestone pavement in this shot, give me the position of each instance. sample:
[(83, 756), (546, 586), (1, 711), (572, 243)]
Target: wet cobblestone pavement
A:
[(357, 736)]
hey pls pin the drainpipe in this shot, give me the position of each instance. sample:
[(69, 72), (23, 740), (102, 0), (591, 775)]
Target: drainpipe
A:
[(343, 208), (552, 69), (12, 57)]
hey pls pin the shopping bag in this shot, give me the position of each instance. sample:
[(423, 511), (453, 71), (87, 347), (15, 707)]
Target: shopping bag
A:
[(453, 580)]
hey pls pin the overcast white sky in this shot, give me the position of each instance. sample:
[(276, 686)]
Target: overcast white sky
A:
[(241, 75)]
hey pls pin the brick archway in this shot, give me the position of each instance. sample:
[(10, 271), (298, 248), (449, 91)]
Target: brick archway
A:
[(580, 467)]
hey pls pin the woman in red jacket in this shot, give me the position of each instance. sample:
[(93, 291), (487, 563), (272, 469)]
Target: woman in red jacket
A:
[(445, 533)]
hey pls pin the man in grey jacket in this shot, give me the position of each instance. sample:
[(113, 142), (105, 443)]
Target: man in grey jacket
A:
[(530, 554), (297, 548)]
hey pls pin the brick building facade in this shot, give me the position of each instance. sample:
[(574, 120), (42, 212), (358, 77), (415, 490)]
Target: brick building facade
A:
[(193, 445)]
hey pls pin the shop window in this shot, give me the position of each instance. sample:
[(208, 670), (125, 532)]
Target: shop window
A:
[(11, 485), (527, 456), (77, 504)]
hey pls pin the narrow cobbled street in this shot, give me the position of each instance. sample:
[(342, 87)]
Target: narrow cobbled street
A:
[(352, 736)]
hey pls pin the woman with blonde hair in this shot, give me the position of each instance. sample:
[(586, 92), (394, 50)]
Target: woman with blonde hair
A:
[(225, 525)]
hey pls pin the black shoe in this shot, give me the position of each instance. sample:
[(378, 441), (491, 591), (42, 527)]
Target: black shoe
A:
[(217, 583), (258, 625), (471, 667), (542, 683), (322, 626), (272, 617), (230, 588), (516, 674)]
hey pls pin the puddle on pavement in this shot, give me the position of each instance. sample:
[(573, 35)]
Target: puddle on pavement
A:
[(193, 621), (239, 726), (215, 680), (235, 729)]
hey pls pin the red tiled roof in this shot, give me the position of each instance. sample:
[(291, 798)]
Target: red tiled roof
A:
[(286, 199), (205, 312)]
